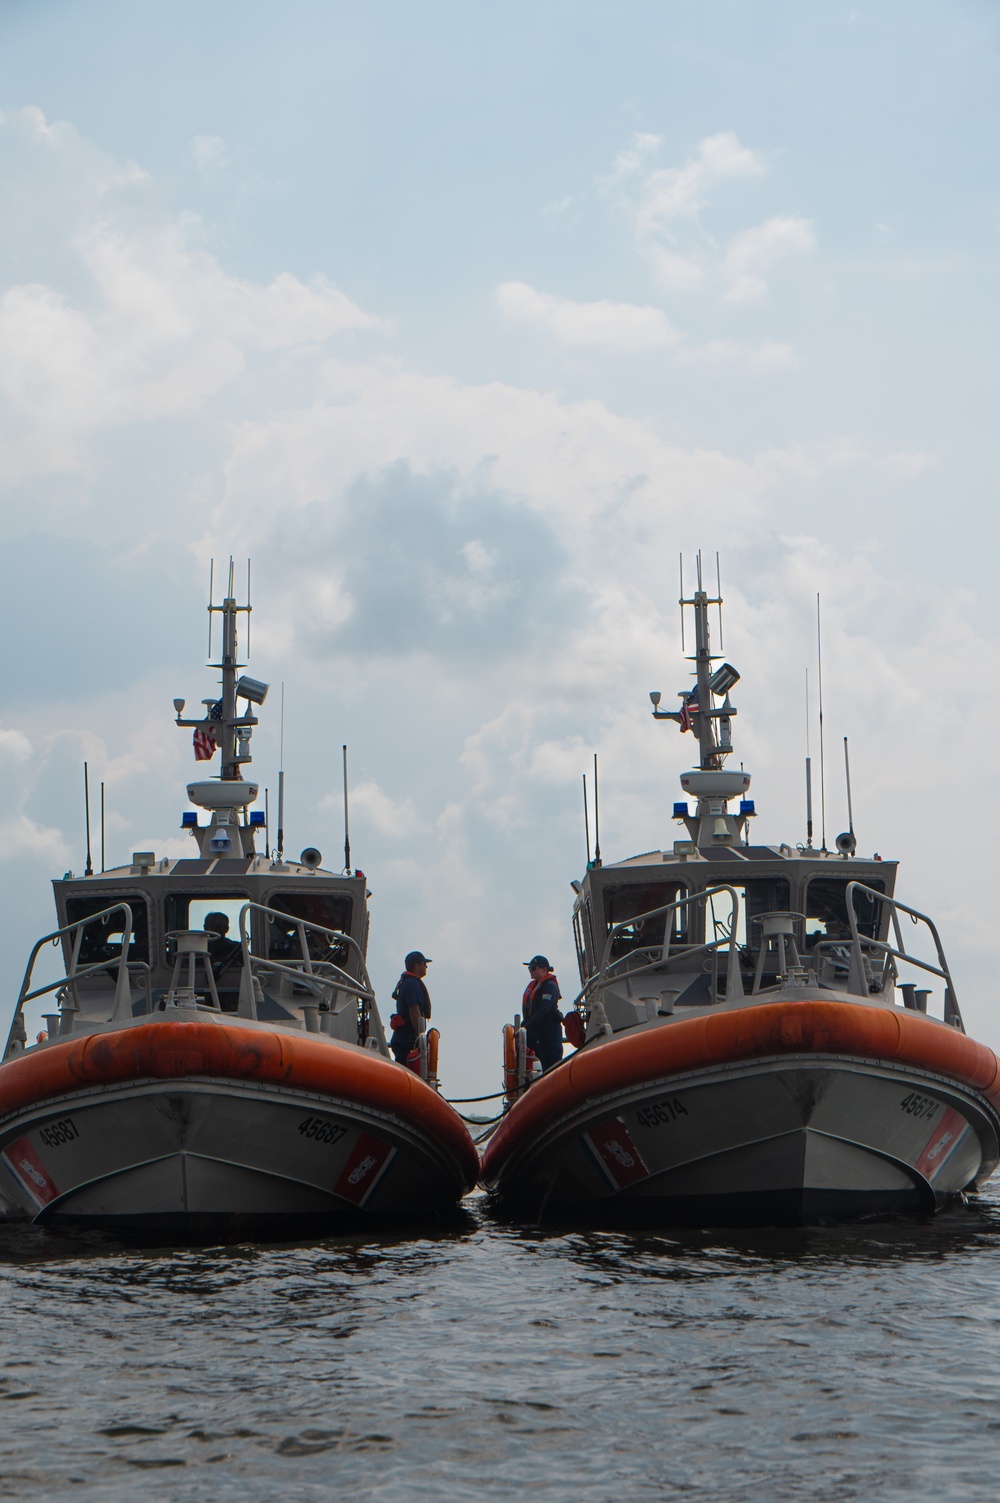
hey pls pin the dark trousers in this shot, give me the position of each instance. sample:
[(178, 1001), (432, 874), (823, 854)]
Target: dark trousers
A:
[(548, 1048), (403, 1040)]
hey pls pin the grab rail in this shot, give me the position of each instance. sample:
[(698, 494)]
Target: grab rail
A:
[(734, 978), (322, 977), (857, 981), (123, 992)]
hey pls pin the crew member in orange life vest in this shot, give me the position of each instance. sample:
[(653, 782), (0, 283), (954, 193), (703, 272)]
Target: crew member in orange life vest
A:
[(540, 1011), (413, 1006)]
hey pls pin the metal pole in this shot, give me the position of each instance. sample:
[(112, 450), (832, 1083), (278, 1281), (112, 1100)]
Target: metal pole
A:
[(88, 870), (822, 746), (347, 828), (102, 829), (586, 818), (597, 820)]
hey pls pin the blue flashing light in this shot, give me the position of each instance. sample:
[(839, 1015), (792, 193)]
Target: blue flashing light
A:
[(189, 820), (746, 806), (256, 816), (681, 811)]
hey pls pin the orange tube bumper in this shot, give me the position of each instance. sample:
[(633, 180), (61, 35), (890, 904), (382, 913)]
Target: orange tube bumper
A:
[(744, 1034), (168, 1050)]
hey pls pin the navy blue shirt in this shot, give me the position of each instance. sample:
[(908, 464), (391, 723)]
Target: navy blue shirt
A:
[(411, 992), (542, 1021)]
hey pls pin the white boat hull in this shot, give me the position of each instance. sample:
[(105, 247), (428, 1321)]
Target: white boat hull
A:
[(779, 1141), (204, 1158)]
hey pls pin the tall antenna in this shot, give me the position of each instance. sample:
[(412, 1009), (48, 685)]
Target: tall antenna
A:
[(88, 870), (809, 776), (718, 592), (683, 648), (597, 820), (267, 821), (347, 828), (211, 600), (102, 829), (586, 819), (822, 757), (248, 608), (847, 770), (281, 779)]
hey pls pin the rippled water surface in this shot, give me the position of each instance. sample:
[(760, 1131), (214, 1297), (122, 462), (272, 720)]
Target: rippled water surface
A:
[(496, 1361)]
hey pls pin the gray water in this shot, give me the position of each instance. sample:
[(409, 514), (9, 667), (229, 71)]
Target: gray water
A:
[(496, 1362)]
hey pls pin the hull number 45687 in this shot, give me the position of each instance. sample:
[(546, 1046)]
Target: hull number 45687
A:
[(321, 1131)]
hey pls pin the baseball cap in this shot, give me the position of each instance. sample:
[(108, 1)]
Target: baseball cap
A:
[(537, 960), (415, 958)]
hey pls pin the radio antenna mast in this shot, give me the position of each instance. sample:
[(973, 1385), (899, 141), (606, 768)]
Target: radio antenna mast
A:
[(847, 770), (809, 776), (281, 779), (822, 758), (211, 598), (597, 820), (102, 829), (683, 648), (88, 870), (347, 831), (586, 818), (718, 592)]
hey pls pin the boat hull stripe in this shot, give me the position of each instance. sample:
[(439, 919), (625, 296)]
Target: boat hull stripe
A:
[(172, 1050), (816, 1026)]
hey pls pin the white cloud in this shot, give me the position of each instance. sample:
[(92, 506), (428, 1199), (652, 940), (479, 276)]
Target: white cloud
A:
[(211, 154), (393, 817), (666, 206), (906, 463), (768, 356), (614, 326), (667, 194), (754, 251), (153, 326)]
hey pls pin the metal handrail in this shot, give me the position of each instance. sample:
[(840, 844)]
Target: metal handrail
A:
[(320, 977), (857, 982), (123, 992), (734, 978)]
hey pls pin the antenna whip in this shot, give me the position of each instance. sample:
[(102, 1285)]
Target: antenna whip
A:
[(586, 818), (597, 820), (347, 829), (89, 868), (822, 758)]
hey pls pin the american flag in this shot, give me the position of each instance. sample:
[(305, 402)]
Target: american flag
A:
[(204, 744), (689, 708)]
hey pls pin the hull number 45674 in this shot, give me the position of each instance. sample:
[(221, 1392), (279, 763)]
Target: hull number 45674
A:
[(662, 1112)]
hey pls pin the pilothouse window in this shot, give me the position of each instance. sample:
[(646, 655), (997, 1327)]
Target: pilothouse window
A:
[(825, 909), (103, 940), (759, 896), (331, 910), (626, 905)]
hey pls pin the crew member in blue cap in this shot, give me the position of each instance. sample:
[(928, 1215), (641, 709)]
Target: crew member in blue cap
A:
[(540, 1012), (413, 1006)]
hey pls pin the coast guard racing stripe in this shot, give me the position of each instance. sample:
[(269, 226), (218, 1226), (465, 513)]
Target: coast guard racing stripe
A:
[(941, 1144), (29, 1171), (612, 1146), (368, 1161)]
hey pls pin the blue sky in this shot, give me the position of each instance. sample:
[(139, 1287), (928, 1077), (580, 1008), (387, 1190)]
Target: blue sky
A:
[(463, 320)]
